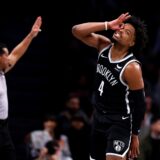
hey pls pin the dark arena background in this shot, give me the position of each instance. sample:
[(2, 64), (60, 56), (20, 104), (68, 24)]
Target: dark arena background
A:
[(57, 66)]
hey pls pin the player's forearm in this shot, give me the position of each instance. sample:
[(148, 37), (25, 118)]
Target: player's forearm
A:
[(86, 29), (21, 48), (18, 51), (138, 116), (138, 110)]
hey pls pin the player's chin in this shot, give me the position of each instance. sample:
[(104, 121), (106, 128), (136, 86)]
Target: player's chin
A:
[(114, 39)]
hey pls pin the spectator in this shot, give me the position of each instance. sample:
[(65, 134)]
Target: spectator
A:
[(72, 108), (150, 146), (39, 138)]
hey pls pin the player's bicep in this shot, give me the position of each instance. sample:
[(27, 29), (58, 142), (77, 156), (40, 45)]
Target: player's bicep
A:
[(11, 62), (95, 40), (133, 76)]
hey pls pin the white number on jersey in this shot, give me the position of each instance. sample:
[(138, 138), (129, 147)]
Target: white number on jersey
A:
[(101, 88)]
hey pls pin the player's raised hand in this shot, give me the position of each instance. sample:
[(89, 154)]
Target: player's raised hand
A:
[(118, 23), (36, 26)]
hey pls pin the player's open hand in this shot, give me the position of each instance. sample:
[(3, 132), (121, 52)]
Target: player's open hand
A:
[(118, 23), (36, 26)]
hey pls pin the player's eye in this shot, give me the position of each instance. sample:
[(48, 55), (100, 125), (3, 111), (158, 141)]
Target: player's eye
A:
[(121, 25)]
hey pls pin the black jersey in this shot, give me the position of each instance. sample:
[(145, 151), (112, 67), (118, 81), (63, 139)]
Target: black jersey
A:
[(111, 92)]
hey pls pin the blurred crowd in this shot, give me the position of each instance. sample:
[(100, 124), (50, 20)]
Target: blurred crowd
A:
[(63, 137), (66, 136)]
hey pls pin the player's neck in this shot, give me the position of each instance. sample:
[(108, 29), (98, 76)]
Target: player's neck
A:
[(118, 52)]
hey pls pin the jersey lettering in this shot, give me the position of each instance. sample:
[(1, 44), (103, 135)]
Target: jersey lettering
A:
[(104, 71)]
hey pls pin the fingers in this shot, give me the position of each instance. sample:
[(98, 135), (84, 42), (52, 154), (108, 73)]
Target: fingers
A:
[(38, 22), (123, 17), (133, 153), (127, 17), (126, 14), (138, 151)]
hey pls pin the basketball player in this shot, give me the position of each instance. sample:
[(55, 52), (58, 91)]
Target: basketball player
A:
[(7, 61), (119, 87)]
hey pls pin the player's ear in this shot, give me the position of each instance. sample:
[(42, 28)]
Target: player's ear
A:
[(132, 42)]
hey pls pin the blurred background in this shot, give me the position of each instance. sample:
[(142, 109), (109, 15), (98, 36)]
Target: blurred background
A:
[(53, 81)]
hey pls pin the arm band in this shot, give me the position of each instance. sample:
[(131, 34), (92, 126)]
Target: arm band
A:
[(137, 102)]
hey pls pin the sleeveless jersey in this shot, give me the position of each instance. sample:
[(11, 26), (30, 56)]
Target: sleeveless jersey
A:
[(111, 92)]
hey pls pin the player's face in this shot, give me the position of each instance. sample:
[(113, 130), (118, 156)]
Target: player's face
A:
[(4, 62), (125, 36)]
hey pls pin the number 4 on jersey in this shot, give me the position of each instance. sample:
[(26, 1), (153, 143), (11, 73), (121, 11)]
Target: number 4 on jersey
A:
[(101, 88)]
